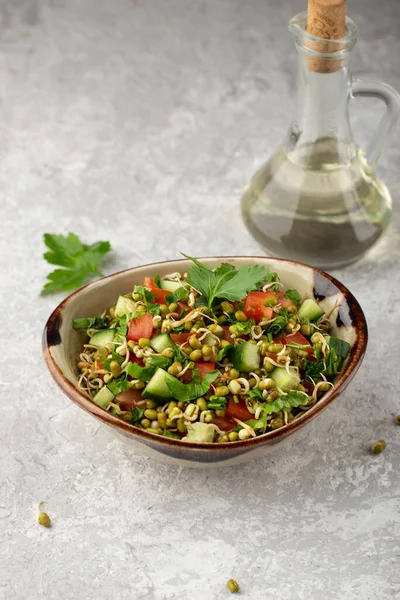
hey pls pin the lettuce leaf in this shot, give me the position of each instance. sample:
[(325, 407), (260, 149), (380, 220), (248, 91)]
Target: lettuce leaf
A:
[(186, 392), (147, 372), (291, 400)]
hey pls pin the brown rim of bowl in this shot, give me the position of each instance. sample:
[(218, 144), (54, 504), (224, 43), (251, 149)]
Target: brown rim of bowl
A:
[(353, 363)]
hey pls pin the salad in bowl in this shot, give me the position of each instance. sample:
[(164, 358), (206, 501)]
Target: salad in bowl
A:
[(210, 355)]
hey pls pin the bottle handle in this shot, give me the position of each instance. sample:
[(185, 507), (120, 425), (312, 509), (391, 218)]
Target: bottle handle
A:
[(384, 92)]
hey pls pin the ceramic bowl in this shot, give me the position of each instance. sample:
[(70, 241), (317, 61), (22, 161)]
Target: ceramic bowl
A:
[(61, 347)]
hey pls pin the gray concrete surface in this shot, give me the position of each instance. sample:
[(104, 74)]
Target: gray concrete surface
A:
[(117, 121)]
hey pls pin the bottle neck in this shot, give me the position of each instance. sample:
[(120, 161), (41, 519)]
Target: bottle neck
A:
[(322, 108)]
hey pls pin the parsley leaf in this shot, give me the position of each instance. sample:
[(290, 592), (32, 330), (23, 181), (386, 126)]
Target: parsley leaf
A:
[(314, 369), (179, 329), (256, 393), (270, 278), (123, 322), (225, 281), (122, 328), (169, 434), (293, 296), (157, 280), (114, 356), (116, 386), (244, 327), (179, 294), (185, 392), (80, 261), (153, 309), (137, 415), (144, 293), (244, 280), (179, 356), (147, 372), (223, 352), (148, 298), (279, 323), (91, 323), (137, 372), (260, 423)]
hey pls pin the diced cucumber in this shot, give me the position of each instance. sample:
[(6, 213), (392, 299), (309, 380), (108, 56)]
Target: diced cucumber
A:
[(170, 286), (157, 388), (284, 380), (161, 342), (310, 310), (104, 397), (124, 306), (245, 357), (102, 338)]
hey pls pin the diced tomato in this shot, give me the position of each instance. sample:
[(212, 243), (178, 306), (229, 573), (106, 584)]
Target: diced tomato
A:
[(254, 308), (308, 385), (159, 295), (156, 291), (140, 328), (129, 399), (180, 338), (183, 307), (224, 423), (237, 410), (149, 282), (135, 359), (284, 302), (99, 367), (203, 367), (227, 334), (297, 338)]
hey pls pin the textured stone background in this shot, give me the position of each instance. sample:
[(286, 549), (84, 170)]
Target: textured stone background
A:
[(117, 120)]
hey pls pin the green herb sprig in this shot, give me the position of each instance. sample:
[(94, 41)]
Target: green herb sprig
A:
[(226, 281), (79, 261)]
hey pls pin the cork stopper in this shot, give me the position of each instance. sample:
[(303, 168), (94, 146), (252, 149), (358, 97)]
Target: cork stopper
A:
[(326, 19)]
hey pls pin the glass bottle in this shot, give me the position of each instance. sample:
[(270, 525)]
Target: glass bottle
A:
[(318, 199)]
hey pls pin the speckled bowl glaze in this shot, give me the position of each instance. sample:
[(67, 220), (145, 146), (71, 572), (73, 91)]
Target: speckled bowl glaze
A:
[(62, 344)]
